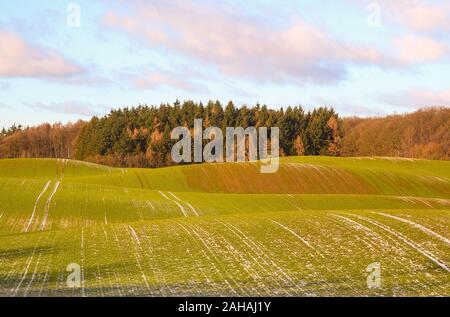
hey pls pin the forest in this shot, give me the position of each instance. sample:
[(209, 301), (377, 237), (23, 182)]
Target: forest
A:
[(140, 136), (422, 134)]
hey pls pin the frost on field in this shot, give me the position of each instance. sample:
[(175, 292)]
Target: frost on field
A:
[(167, 234)]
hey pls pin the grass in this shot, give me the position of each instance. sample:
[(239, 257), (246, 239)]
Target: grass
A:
[(225, 229)]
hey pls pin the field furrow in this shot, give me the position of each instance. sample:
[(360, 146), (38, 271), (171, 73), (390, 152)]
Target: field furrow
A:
[(314, 229)]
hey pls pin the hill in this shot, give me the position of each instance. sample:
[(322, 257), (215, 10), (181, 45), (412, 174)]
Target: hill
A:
[(311, 229)]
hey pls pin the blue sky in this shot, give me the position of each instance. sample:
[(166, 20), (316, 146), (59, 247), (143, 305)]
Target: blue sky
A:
[(361, 57)]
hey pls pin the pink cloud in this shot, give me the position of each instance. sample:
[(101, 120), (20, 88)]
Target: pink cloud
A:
[(418, 49), (239, 45), (422, 25), (415, 15), (21, 59), (421, 16), (155, 79), (420, 98)]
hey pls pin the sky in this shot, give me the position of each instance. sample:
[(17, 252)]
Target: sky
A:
[(61, 61)]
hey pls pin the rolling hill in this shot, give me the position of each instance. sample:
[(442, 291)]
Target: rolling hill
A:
[(311, 229)]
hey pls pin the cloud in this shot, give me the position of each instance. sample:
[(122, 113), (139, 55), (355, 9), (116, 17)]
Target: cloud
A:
[(421, 28), (419, 98), (72, 107), (154, 79), (19, 58), (219, 35), (360, 110), (85, 79), (420, 16), (352, 108), (4, 106), (418, 49), (180, 76), (4, 85), (415, 15)]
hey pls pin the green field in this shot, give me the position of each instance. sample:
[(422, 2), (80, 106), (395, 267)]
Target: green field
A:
[(311, 229)]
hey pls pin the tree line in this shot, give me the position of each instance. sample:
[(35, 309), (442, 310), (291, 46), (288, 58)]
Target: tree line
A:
[(140, 136), (422, 134), (43, 141)]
